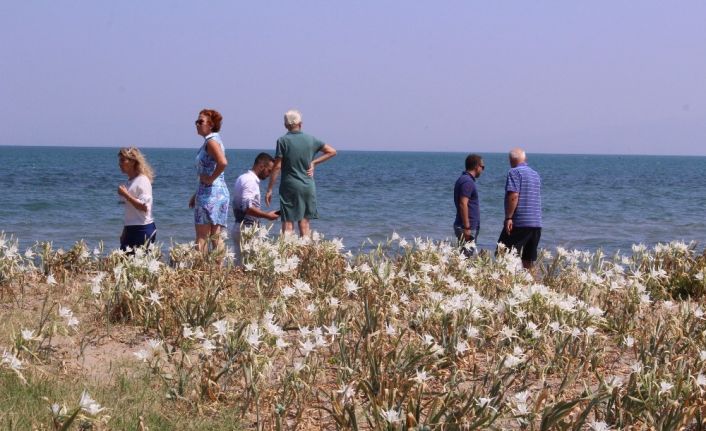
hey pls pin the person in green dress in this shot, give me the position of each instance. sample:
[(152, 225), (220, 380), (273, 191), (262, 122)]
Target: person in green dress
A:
[(295, 158)]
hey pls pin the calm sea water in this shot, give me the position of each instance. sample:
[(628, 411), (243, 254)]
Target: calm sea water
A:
[(590, 202)]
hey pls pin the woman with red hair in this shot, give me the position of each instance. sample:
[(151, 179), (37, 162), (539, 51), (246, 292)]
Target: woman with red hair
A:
[(210, 202)]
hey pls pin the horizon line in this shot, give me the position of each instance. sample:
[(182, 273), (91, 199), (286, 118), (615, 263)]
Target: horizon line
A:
[(370, 151)]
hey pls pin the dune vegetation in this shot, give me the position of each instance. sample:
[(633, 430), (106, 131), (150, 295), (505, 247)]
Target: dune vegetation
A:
[(411, 335)]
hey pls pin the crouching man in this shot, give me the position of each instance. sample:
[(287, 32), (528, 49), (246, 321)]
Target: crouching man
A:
[(246, 200)]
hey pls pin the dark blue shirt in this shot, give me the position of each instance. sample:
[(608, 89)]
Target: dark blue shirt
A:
[(466, 186)]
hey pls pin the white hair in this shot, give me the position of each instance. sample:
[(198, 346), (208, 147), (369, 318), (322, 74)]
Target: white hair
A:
[(518, 154), (292, 117)]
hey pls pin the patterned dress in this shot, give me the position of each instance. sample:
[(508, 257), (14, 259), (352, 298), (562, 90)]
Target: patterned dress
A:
[(211, 201)]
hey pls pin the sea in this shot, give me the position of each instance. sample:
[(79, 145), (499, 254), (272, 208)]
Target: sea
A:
[(590, 202)]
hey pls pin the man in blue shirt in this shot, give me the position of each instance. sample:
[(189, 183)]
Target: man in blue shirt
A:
[(467, 223), (523, 208)]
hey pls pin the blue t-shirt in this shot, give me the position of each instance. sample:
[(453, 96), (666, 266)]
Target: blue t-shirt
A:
[(524, 180), (466, 186)]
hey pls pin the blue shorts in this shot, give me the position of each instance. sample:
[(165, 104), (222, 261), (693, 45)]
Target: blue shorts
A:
[(138, 235)]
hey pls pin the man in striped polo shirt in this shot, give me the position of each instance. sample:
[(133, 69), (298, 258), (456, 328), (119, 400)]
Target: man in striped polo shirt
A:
[(523, 208)]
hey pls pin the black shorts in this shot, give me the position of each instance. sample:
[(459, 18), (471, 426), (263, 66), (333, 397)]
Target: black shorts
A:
[(523, 239)]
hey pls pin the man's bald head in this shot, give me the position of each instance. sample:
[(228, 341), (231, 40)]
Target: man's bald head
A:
[(517, 156)]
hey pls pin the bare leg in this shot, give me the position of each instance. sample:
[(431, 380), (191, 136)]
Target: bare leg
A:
[(216, 240), (304, 229), (287, 227), (202, 232)]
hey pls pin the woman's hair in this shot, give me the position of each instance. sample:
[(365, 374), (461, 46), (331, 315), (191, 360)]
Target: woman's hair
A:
[(141, 164), (214, 117)]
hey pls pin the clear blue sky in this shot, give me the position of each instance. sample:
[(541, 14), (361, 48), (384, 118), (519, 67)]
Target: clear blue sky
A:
[(553, 76)]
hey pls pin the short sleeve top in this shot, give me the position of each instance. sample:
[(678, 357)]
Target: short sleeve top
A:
[(297, 150), (141, 188), (526, 182)]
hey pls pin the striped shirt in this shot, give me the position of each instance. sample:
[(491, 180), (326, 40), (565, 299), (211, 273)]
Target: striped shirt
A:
[(524, 180)]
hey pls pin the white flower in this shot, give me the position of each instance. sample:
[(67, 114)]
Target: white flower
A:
[(511, 361), (636, 367), (701, 380), (613, 382), (221, 328), (599, 426), (28, 334), (153, 266), (702, 355), (72, 322), (421, 377), (65, 312), (207, 346), (390, 329), (187, 332), (280, 343), (298, 366), (521, 397), (57, 409), (590, 331), (332, 330), (288, 291), (154, 298), (11, 360), (629, 341), (698, 313), (29, 254), (508, 333), (595, 312), (142, 355), (51, 280), (89, 405), (665, 386), (253, 337), (302, 286), (462, 347), (351, 287), (347, 391), (472, 331), (307, 347), (555, 326), (391, 416), (483, 401), (333, 302)]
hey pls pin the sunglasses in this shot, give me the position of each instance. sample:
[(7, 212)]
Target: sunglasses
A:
[(199, 122)]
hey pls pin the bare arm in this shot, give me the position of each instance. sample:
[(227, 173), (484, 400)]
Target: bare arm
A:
[(257, 212), (511, 199), (214, 150), (465, 217), (130, 199), (328, 152), (273, 179)]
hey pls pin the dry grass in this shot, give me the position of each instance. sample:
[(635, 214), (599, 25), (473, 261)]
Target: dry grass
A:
[(409, 336)]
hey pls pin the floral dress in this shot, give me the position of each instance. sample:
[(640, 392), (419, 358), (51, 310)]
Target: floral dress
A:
[(211, 200)]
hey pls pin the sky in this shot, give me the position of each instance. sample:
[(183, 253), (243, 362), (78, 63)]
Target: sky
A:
[(598, 77)]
